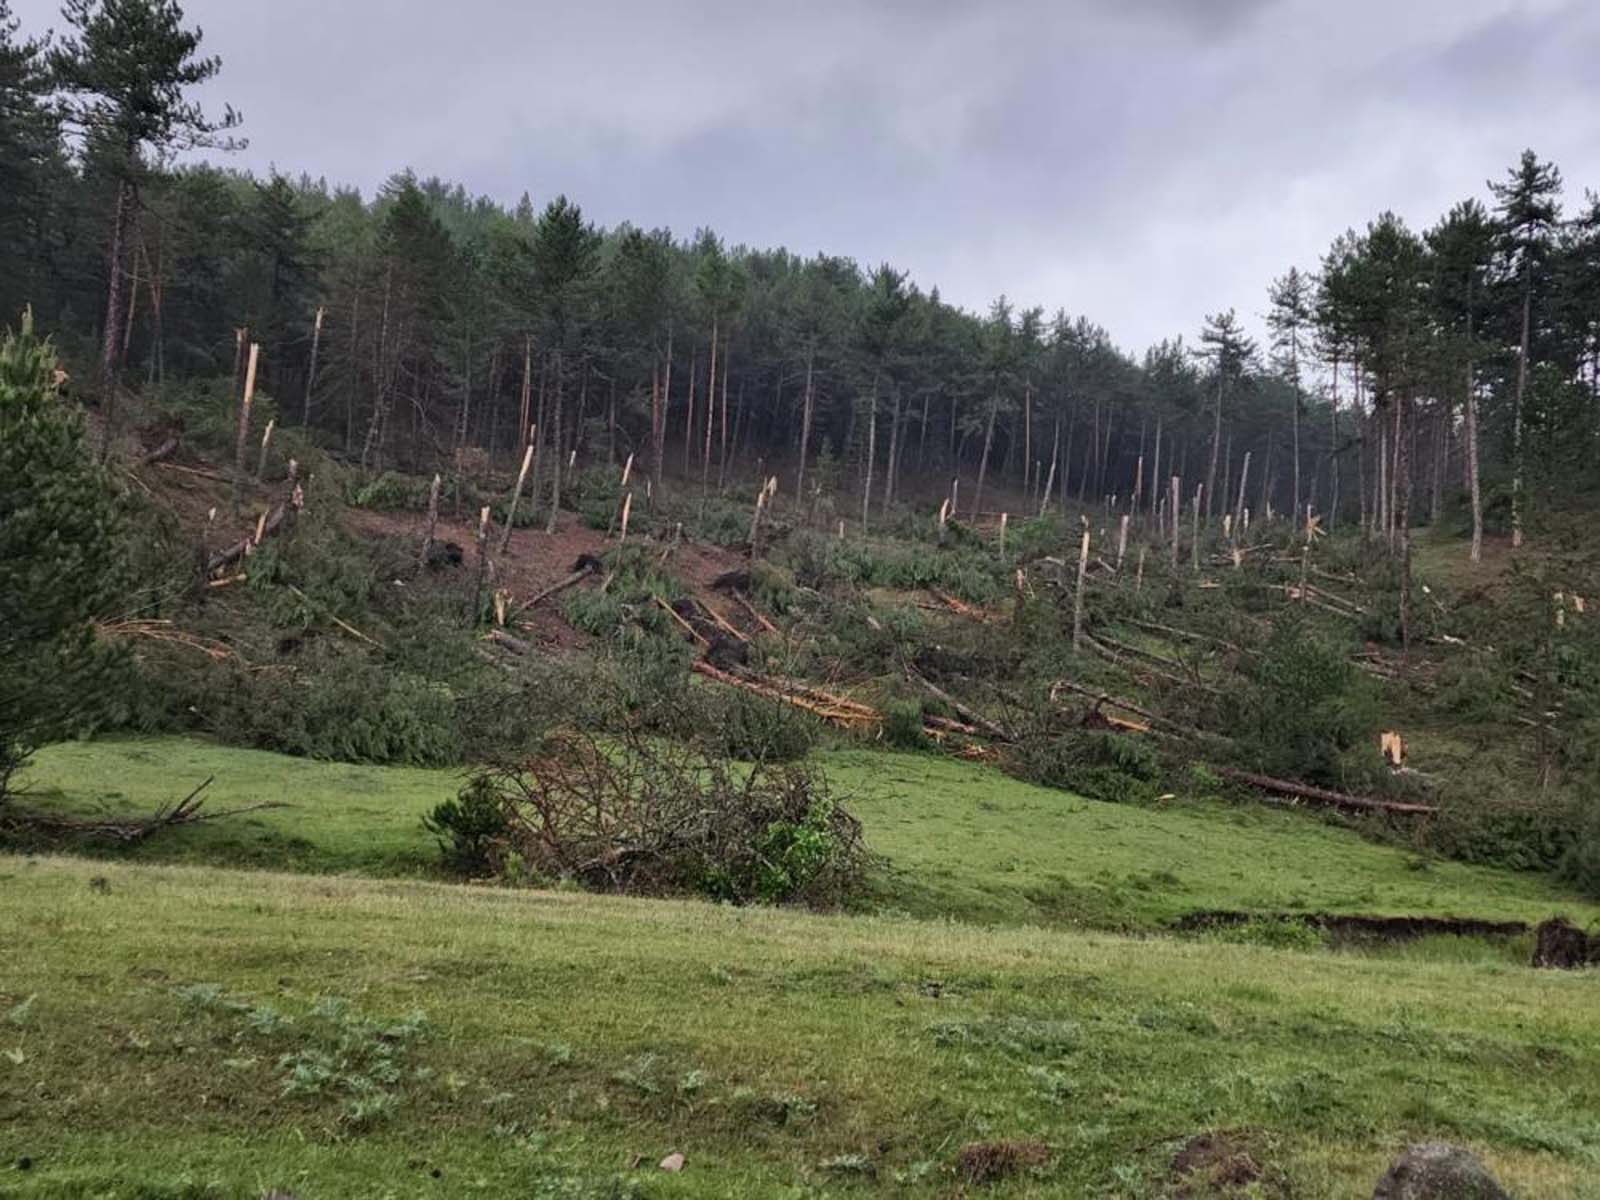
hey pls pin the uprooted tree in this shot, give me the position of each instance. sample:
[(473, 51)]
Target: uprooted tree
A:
[(60, 558), (639, 814)]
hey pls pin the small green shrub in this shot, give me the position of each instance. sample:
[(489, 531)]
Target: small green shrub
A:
[(751, 728), (1308, 704), (471, 828), (1100, 765), (902, 725)]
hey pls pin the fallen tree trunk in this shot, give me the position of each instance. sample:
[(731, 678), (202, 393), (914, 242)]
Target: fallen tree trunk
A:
[(165, 450), (514, 644), (184, 812), (998, 732), (275, 520), (576, 576), (754, 612), (1323, 796), (1101, 697)]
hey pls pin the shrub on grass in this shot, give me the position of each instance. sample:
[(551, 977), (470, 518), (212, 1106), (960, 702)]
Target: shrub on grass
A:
[(471, 828)]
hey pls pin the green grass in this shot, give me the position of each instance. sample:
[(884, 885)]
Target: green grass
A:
[(962, 841), (165, 1032)]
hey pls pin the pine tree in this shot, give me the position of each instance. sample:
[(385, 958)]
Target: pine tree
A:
[(29, 166), (1461, 247), (1529, 211), (1289, 318), (1224, 345), (59, 558), (125, 70)]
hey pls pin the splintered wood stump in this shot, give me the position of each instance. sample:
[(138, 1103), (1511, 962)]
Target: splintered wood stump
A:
[(1077, 594)]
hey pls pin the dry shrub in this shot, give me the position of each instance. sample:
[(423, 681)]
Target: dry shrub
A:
[(987, 1162), (648, 816)]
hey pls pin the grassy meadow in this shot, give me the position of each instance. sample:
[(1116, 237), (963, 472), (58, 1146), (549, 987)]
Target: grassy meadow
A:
[(175, 1031), (962, 840)]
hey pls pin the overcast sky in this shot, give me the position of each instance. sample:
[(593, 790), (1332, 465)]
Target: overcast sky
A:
[(1140, 161)]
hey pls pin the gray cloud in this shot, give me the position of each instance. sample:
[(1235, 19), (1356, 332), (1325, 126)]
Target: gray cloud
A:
[(1142, 161)]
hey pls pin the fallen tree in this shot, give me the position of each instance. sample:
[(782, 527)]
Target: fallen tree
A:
[(1323, 796), (128, 830)]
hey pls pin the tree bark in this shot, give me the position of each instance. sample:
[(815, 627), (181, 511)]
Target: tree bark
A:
[(805, 424), (116, 303), (1516, 411), (983, 462)]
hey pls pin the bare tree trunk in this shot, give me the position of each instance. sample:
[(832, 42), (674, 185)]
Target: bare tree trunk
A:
[(1066, 456), (711, 412), (116, 302), (805, 425), (311, 371), (355, 375), (241, 443), (555, 445), (1333, 451), (432, 520), (1472, 465), (658, 427), (1404, 417), (1216, 446), (1027, 435), (1516, 411), (516, 498), (722, 459), (983, 463), (1055, 458), (872, 449), (894, 448), (1173, 504), (688, 418), (611, 425), (1077, 594), (1155, 470), (922, 440)]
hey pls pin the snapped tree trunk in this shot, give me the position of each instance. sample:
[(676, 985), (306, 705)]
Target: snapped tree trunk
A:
[(311, 370)]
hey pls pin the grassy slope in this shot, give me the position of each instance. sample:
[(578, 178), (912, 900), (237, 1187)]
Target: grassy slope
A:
[(962, 840), (569, 1034)]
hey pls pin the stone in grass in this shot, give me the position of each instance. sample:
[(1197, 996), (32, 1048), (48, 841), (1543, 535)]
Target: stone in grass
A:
[(1438, 1171), (672, 1162)]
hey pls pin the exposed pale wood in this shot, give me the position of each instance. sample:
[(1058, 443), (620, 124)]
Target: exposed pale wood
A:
[(516, 496), (1077, 594)]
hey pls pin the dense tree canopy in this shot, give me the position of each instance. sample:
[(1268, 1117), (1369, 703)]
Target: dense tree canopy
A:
[(422, 323)]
